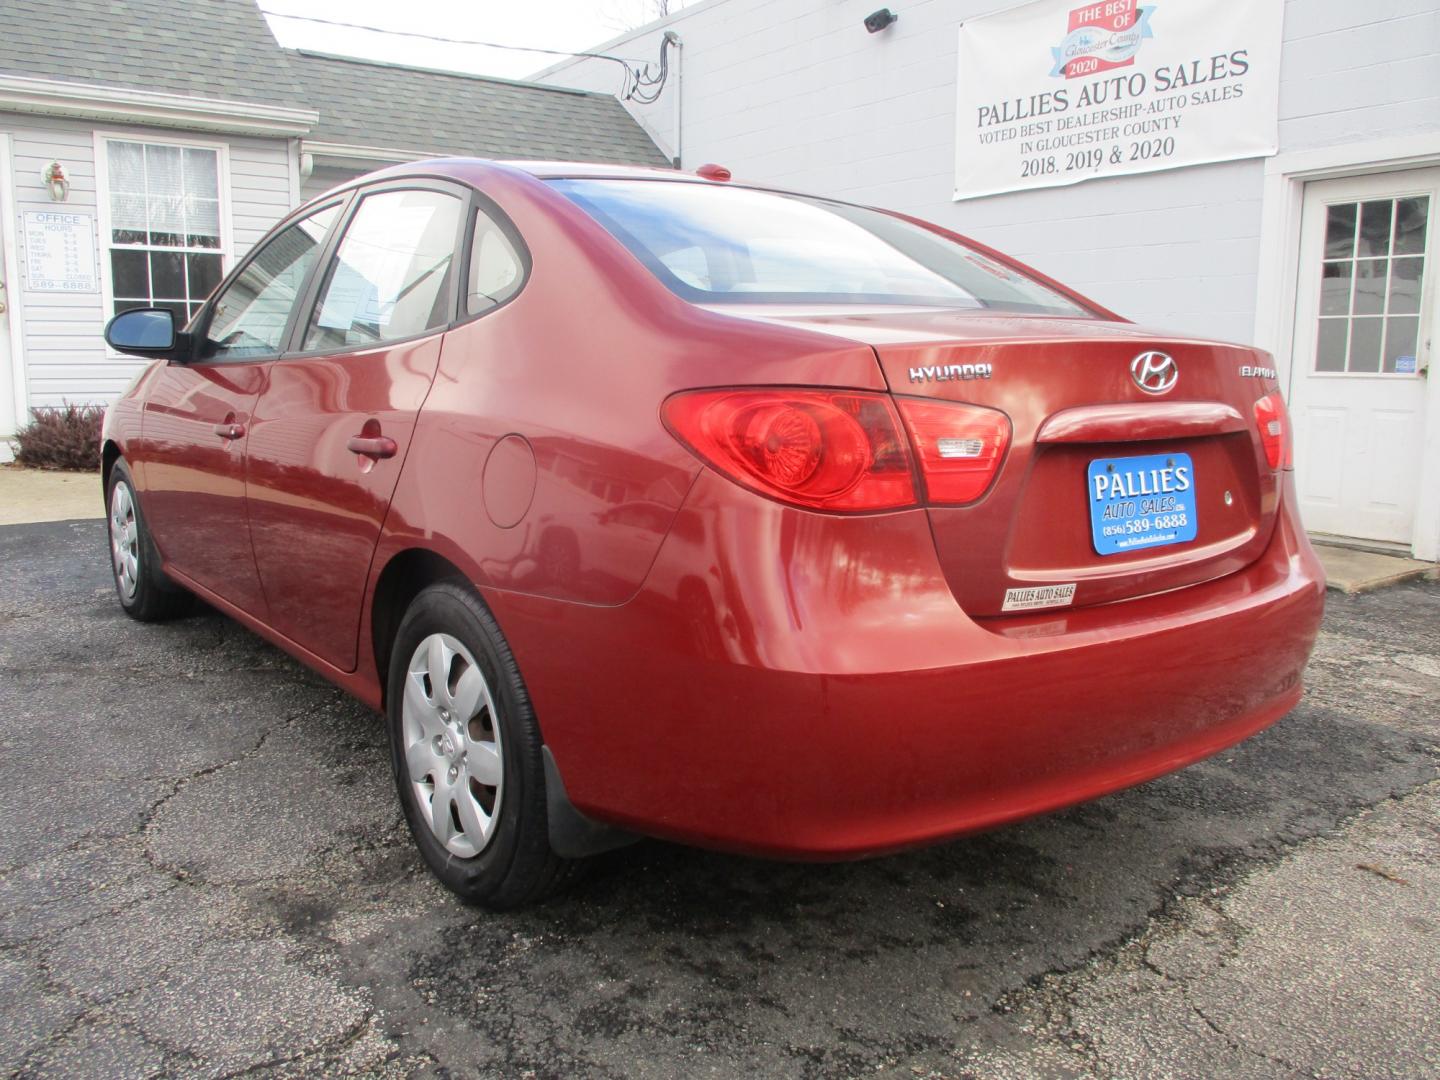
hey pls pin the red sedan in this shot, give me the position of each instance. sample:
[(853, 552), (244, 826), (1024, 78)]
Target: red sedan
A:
[(649, 503)]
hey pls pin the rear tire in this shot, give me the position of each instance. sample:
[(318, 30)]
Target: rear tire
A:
[(465, 749), (145, 592)]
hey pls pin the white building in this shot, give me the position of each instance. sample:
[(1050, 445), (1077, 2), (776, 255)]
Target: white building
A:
[(797, 93)]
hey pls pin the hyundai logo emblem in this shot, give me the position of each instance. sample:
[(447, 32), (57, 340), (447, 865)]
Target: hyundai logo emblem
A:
[(1154, 372)]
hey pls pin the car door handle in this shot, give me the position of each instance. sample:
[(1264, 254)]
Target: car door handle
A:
[(229, 431), (371, 446)]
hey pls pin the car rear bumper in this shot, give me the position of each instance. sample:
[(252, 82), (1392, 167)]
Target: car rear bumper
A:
[(806, 686)]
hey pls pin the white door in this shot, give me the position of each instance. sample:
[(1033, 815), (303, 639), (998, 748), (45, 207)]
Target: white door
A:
[(8, 289), (1365, 309)]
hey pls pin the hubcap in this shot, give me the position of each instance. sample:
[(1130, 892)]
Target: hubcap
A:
[(124, 540), (452, 744)]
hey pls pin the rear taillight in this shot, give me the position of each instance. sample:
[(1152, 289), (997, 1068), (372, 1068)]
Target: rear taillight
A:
[(959, 446), (1274, 424), (822, 449)]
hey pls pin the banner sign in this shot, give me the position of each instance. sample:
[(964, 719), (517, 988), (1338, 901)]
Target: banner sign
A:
[(1056, 92)]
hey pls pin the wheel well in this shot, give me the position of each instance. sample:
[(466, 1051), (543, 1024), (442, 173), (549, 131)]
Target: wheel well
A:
[(109, 454), (400, 582)]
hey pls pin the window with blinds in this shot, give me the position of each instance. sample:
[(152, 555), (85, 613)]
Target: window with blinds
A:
[(164, 243)]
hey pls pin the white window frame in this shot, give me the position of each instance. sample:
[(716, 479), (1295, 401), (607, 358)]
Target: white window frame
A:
[(1281, 203), (1432, 215), (102, 201)]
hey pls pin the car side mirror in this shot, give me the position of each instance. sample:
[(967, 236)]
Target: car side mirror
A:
[(147, 332)]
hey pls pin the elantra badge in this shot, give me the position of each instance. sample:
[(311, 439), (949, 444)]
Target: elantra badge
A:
[(1154, 372)]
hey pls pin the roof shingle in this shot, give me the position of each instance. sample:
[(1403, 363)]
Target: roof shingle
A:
[(368, 103), (223, 49), (216, 49)]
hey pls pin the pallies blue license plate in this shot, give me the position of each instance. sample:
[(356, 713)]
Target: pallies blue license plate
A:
[(1141, 502)]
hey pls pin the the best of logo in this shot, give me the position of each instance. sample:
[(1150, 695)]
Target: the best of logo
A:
[(1100, 37)]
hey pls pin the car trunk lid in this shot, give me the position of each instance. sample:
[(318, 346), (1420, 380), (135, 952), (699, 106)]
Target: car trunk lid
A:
[(1080, 421)]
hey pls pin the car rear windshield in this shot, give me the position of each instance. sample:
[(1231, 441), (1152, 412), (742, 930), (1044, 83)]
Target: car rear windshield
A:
[(712, 244)]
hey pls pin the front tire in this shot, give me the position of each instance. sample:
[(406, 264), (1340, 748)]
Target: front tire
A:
[(145, 592), (465, 750)]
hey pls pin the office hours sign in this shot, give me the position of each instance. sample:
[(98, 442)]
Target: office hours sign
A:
[(1057, 92), (60, 252)]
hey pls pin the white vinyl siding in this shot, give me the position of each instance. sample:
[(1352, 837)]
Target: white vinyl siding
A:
[(325, 177), (64, 357)]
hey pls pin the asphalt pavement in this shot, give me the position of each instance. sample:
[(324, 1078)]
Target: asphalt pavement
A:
[(203, 872)]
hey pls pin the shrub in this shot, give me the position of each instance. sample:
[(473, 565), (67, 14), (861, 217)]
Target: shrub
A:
[(63, 438)]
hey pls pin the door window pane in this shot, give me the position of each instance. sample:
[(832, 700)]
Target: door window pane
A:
[(1401, 333), (1411, 216), (1370, 277), (1340, 231), (391, 276), (1365, 344), (249, 317), (1375, 227), (1405, 285), (1330, 346), (1335, 288)]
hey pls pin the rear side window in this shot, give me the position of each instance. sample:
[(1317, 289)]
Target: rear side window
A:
[(496, 271), (717, 244), (392, 275)]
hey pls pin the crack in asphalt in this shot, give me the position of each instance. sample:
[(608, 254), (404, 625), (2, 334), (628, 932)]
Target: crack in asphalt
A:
[(327, 1052), (180, 874), (1241, 1047), (93, 1011), (668, 961), (1055, 994)]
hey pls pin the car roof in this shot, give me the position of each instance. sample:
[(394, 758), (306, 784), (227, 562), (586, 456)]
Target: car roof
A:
[(550, 170), (460, 168), (463, 168)]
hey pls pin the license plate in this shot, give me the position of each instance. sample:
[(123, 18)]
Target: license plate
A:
[(1141, 502)]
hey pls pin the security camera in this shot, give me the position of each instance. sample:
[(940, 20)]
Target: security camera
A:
[(879, 20)]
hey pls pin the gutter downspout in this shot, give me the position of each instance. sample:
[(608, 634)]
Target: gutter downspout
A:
[(672, 38)]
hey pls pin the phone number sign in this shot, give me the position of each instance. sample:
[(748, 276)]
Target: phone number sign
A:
[(60, 252), (1055, 93)]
